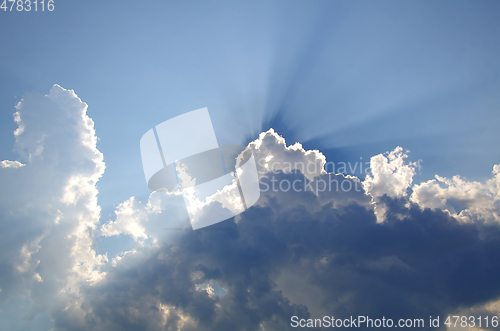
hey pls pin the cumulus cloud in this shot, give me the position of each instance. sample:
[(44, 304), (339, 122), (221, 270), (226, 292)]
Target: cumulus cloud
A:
[(49, 203), (272, 154), (11, 164), (311, 253), (319, 248), (280, 259), (465, 200), (390, 174), (128, 218)]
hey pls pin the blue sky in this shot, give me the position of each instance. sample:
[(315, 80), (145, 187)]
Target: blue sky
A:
[(352, 79), (349, 78)]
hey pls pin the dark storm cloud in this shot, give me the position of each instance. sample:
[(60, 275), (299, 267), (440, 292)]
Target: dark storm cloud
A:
[(416, 264)]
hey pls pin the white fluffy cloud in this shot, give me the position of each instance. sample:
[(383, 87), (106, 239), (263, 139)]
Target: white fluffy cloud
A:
[(49, 204), (11, 164), (465, 200), (390, 174), (272, 154)]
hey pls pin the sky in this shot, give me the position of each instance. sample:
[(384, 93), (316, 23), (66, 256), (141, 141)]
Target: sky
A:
[(410, 90)]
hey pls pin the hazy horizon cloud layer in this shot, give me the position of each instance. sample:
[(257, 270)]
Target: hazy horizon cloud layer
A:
[(389, 246)]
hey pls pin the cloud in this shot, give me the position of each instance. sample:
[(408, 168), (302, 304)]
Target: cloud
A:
[(321, 248), (128, 216), (282, 258), (467, 201), (272, 154), (309, 253), (11, 164), (49, 204), (389, 174)]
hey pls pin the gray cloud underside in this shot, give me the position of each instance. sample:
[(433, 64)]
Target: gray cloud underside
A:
[(416, 264)]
